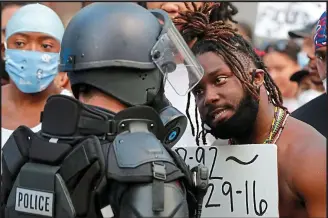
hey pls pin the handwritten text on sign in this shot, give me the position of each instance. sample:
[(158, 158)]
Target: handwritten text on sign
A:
[(243, 179), (274, 19)]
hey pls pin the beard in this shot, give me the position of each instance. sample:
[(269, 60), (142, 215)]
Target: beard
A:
[(241, 124)]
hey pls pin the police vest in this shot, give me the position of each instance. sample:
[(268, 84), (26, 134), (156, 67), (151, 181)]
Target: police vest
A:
[(49, 178), (61, 171)]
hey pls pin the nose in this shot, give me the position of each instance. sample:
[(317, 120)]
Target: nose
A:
[(31, 46), (34, 47), (211, 97), (311, 56), (171, 8)]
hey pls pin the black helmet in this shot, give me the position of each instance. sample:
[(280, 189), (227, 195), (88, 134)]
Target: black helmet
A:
[(105, 41), (125, 51), (121, 49)]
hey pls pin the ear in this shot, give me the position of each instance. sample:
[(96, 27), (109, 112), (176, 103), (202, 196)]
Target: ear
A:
[(62, 81), (192, 42), (257, 77)]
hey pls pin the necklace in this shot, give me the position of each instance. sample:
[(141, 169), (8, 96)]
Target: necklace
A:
[(278, 124)]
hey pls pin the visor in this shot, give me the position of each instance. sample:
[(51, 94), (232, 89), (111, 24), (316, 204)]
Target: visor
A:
[(174, 59), (302, 33)]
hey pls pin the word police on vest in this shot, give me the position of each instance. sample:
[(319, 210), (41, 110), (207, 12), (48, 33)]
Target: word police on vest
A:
[(34, 202)]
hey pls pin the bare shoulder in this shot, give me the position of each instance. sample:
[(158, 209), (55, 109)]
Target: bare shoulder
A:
[(298, 135), (303, 150), (300, 141)]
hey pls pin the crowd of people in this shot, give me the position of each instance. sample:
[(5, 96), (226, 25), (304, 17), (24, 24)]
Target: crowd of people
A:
[(291, 63), (274, 94)]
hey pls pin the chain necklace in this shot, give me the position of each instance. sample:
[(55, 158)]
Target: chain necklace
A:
[(278, 123)]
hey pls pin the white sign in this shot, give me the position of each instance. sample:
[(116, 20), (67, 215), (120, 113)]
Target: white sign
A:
[(243, 179), (274, 20), (34, 202)]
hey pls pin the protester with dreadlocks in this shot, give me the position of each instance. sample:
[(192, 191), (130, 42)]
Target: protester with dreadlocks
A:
[(238, 100), (224, 11)]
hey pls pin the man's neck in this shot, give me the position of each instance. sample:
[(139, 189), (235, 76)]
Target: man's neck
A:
[(262, 126), (99, 99), (23, 100)]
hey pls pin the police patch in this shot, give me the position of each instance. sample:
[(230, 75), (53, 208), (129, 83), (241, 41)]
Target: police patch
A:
[(34, 202)]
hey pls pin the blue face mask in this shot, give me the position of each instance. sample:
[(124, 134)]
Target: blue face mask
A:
[(302, 59), (31, 71)]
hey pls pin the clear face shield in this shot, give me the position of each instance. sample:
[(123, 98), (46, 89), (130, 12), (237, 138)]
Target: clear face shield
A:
[(175, 60)]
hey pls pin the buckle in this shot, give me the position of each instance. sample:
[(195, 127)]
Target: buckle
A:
[(159, 171), (112, 130)]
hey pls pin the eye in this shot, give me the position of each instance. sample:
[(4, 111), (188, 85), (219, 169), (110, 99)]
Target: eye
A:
[(47, 46), (220, 80), (321, 57), (197, 91), (19, 44)]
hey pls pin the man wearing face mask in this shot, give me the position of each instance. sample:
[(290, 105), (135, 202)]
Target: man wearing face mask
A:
[(304, 34), (7, 10), (310, 85), (314, 112), (31, 53)]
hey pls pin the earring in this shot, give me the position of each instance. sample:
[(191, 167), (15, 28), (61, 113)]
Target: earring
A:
[(258, 88)]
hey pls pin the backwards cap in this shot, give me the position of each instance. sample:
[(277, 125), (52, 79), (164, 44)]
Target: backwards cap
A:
[(320, 37), (35, 18)]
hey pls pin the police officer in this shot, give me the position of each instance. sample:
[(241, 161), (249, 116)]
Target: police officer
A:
[(118, 57)]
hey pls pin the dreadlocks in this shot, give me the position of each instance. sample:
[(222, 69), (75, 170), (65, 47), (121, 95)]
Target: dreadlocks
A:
[(224, 12), (221, 38)]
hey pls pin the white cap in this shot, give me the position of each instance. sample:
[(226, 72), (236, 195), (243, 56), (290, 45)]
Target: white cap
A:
[(36, 18)]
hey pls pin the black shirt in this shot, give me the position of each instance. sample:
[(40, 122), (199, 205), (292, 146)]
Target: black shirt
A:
[(315, 114)]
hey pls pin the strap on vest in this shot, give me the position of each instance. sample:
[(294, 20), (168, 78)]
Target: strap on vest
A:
[(81, 171), (159, 176), (81, 196), (78, 160), (97, 127)]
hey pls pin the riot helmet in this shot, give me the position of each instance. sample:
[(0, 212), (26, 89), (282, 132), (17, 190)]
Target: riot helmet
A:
[(127, 52)]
